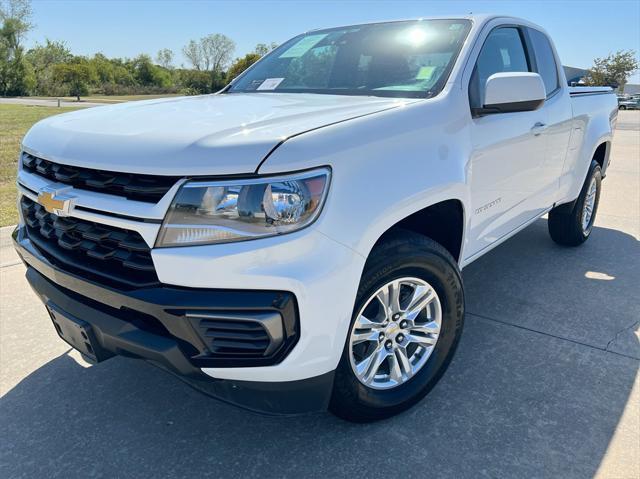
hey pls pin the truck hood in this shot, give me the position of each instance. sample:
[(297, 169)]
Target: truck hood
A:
[(202, 135)]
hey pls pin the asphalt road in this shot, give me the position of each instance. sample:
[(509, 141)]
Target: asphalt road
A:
[(544, 384)]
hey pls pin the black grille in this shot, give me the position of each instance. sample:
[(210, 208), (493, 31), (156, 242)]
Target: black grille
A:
[(148, 188), (231, 338), (95, 251), (244, 337)]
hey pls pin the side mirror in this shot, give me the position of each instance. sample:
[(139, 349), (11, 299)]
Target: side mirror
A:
[(513, 91)]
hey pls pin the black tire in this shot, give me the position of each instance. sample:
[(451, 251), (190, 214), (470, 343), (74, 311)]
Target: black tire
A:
[(565, 221), (622, 107), (403, 254)]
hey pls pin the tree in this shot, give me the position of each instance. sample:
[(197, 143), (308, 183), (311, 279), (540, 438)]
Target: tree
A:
[(16, 75), (164, 58), (76, 77), (613, 70), (103, 67), (15, 16), (148, 74), (193, 52), (211, 53), (216, 52), (241, 64), (262, 48), (43, 58)]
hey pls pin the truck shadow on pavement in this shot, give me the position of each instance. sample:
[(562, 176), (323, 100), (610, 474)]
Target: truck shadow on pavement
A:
[(516, 402)]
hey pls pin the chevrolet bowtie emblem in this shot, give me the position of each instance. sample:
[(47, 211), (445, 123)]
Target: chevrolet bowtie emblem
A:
[(55, 201)]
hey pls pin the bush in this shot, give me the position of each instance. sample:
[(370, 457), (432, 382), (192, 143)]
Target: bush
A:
[(195, 81), (189, 92)]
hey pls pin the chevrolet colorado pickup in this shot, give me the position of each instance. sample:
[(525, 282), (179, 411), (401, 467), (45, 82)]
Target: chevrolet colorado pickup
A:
[(294, 242)]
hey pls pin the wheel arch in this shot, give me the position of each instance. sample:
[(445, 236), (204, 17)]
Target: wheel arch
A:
[(443, 222), (596, 145), (601, 155)]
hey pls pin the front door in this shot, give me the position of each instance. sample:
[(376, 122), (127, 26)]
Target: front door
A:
[(508, 148)]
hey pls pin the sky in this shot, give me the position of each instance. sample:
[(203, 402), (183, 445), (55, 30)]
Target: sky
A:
[(581, 29)]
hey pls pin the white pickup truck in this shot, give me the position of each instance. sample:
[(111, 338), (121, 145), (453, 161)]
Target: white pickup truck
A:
[(295, 241)]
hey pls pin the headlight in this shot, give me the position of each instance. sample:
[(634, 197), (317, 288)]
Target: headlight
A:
[(206, 212)]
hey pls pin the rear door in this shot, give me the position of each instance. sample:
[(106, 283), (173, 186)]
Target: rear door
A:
[(508, 149)]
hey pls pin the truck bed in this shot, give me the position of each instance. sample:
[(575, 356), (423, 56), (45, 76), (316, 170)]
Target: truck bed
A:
[(589, 90)]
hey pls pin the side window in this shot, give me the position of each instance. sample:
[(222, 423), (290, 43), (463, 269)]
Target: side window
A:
[(545, 61), (503, 51)]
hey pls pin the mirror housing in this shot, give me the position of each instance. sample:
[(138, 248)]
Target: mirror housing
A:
[(512, 91)]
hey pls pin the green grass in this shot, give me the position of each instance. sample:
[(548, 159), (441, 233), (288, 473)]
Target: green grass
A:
[(15, 120)]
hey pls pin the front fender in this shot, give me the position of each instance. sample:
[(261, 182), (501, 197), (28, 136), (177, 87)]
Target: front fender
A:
[(385, 166)]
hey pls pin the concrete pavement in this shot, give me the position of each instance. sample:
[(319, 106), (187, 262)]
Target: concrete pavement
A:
[(544, 384)]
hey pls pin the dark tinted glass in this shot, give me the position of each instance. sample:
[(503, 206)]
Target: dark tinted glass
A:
[(400, 59), (545, 60)]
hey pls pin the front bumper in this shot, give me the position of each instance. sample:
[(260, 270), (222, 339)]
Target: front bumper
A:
[(143, 324)]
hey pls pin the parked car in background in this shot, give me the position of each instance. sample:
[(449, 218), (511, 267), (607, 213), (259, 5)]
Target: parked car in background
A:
[(630, 104), (296, 241)]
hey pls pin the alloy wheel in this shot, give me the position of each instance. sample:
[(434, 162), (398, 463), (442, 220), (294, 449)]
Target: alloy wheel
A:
[(589, 205), (395, 333)]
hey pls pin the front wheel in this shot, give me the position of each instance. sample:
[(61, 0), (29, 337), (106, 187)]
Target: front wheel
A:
[(406, 324), (571, 225), (622, 107)]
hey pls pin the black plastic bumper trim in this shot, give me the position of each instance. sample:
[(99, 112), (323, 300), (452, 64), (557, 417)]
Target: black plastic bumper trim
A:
[(113, 334), (165, 344), (163, 309), (290, 398)]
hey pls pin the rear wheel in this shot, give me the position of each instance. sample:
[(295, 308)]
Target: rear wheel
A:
[(406, 324), (622, 107), (571, 225)]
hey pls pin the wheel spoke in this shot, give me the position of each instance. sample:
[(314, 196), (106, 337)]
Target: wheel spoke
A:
[(422, 296), (371, 335), (389, 296), (403, 359), (368, 368), (395, 372), (426, 328), (363, 322), (363, 366), (423, 340)]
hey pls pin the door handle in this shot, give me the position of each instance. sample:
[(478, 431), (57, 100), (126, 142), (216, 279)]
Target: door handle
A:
[(538, 128)]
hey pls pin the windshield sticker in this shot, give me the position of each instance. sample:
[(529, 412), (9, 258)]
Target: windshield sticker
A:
[(303, 46), (425, 73), (270, 84)]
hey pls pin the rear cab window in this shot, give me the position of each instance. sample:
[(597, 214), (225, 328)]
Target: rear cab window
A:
[(546, 65)]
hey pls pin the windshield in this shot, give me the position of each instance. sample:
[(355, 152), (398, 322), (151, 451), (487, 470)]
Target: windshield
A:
[(401, 59)]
